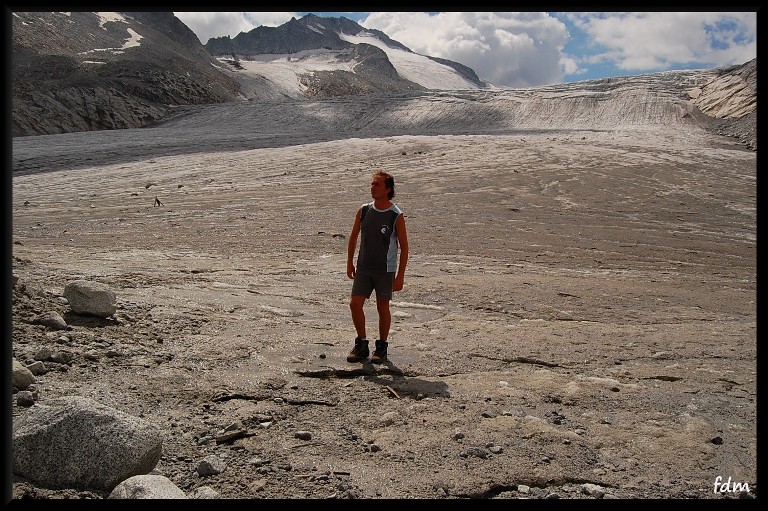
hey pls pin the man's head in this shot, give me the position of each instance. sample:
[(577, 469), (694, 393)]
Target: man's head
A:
[(388, 181)]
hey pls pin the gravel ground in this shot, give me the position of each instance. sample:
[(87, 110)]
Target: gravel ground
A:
[(578, 319)]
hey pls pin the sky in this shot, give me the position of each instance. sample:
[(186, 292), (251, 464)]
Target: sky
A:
[(527, 49)]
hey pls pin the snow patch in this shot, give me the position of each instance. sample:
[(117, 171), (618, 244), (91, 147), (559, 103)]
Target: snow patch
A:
[(415, 67), (284, 70), (104, 17)]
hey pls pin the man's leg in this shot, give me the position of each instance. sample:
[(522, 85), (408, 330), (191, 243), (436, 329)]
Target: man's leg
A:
[(385, 320), (385, 317), (360, 351), (356, 303)]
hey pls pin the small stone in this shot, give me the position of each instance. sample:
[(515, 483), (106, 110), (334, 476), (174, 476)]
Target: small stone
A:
[(303, 435), (25, 398)]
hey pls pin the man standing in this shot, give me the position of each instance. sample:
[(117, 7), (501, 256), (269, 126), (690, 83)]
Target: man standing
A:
[(381, 227)]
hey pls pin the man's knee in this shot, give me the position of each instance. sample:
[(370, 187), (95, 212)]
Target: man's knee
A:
[(382, 305), (356, 302)]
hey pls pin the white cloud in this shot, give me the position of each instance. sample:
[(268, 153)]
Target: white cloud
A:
[(515, 49), (643, 41)]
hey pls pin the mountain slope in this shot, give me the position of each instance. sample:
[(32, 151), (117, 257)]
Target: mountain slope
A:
[(656, 100), (82, 71), (336, 57), (85, 71), (654, 106)]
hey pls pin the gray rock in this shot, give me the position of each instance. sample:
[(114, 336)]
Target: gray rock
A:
[(21, 376), (593, 490), (90, 298), (52, 320), (147, 487), (26, 398), (303, 435), (60, 357), (205, 492), (478, 452), (43, 354), (37, 368), (211, 465), (75, 442)]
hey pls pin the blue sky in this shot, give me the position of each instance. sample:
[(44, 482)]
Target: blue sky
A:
[(526, 49)]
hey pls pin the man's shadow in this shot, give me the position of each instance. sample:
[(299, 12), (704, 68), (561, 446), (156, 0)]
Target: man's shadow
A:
[(407, 386)]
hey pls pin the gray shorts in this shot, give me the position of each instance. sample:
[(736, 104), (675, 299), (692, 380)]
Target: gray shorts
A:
[(365, 283)]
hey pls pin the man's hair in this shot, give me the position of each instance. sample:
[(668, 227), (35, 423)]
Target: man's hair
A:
[(389, 182)]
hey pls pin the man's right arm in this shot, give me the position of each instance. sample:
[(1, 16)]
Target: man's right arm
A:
[(351, 245)]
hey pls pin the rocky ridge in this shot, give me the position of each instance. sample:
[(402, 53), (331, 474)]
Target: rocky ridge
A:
[(84, 71), (87, 71)]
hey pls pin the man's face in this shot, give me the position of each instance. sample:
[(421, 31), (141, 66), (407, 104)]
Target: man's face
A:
[(379, 188)]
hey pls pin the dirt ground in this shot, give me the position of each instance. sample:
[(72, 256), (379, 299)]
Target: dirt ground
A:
[(578, 319)]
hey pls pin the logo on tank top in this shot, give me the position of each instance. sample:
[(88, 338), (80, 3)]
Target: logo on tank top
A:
[(385, 234)]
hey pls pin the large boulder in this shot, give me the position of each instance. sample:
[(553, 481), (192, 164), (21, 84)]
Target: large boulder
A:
[(147, 487), (90, 298), (75, 442)]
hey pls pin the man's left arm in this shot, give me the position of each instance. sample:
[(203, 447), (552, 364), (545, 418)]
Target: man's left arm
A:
[(402, 241)]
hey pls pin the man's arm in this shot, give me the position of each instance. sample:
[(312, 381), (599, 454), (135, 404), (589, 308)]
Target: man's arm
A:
[(402, 241), (351, 245)]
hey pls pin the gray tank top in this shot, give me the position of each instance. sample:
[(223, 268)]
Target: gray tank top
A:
[(378, 239)]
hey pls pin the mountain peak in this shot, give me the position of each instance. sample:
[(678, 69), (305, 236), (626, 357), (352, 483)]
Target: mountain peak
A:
[(345, 67)]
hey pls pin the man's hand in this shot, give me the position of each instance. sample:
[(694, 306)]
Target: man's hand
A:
[(399, 282), (350, 270)]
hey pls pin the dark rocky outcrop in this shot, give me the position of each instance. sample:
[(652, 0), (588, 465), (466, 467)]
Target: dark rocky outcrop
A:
[(374, 73), (307, 33), (729, 100), (465, 71), (88, 71), (80, 72)]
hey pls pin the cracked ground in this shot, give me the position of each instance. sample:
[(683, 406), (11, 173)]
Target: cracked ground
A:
[(578, 319)]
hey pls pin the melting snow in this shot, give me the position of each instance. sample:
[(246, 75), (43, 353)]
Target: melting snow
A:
[(415, 67), (104, 17), (133, 40), (284, 69)]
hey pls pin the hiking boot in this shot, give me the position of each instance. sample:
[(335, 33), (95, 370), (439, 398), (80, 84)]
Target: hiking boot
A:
[(380, 355), (359, 352)]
